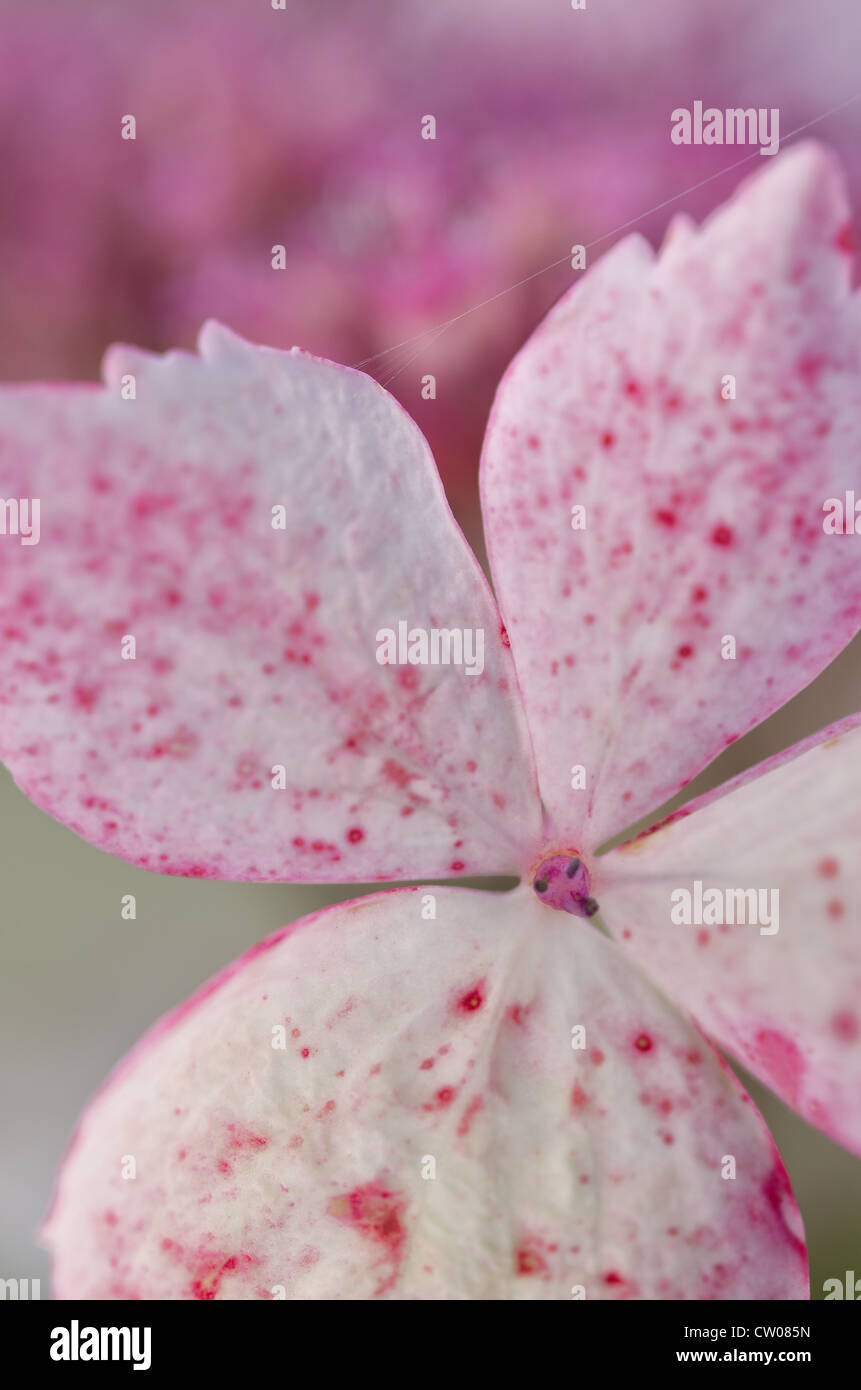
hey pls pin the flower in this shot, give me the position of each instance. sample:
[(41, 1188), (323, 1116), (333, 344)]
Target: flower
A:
[(435, 1092)]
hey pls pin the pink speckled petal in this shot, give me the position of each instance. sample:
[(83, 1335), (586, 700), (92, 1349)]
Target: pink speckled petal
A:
[(786, 1003), (428, 1128), (703, 515), (254, 734)]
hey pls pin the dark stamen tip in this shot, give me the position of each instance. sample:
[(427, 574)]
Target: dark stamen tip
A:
[(540, 885), (590, 907), (572, 868)]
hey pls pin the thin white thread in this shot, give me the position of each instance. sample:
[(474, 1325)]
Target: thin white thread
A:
[(438, 329)]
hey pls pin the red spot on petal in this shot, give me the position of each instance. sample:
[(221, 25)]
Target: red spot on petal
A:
[(473, 999), (85, 696), (845, 240), (444, 1096), (376, 1213), (528, 1261), (844, 1025), (393, 772), (579, 1098), (781, 1060)]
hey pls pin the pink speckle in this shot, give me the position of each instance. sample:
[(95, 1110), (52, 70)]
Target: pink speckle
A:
[(845, 240), (469, 1115), (722, 535), (374, 1210), (643, 1043), (457, 866), (835, 908), (147, 504), (85, 696), (844, 1025), (828, 868), (393, 772), (579, 1098), (426, 1064), (210, 1270), (666, 518), (782, 1061), (355, 835), (240, 1138), (685, 650)]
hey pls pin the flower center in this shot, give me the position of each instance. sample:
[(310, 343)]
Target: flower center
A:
[(562, 881)]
